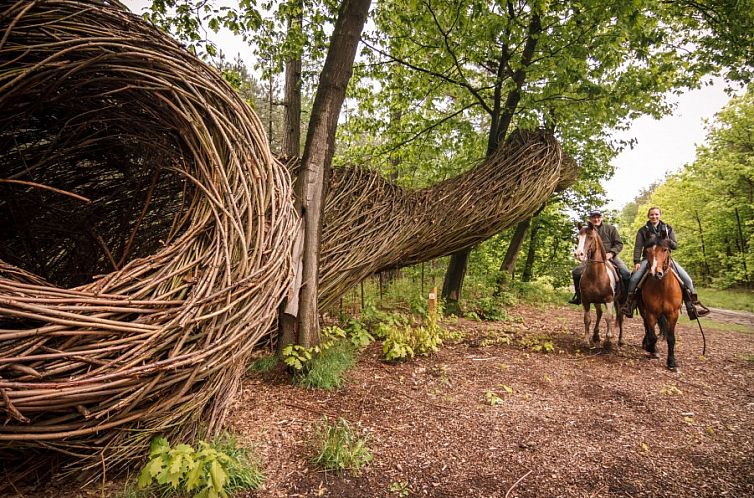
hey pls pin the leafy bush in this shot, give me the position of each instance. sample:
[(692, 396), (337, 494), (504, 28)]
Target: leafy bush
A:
[(403, 342), (338, 447), (211, 471), (358, 334)]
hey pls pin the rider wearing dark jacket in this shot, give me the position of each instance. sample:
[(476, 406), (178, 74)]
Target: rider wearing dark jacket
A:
[(650, 233), (613, 246)]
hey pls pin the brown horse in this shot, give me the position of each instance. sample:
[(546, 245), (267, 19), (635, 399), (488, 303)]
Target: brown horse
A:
[(661, 300), (600, 284)]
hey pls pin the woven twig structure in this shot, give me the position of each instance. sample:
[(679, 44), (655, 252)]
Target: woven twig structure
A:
[(373, 225), (123, 156), (146, 231)]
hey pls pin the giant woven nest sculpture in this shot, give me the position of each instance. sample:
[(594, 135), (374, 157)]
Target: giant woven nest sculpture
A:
[(146, 231), (146, 234)]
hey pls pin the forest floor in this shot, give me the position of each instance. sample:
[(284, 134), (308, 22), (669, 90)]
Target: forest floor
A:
[(573, 422), (578, 422)]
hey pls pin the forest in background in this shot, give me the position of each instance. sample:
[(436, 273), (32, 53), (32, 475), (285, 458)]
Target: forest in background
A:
[(432, 77)]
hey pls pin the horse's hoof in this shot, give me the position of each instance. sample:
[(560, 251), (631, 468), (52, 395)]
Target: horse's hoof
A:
[(654, 356), (674, 368), (608, 346), (621, 344)]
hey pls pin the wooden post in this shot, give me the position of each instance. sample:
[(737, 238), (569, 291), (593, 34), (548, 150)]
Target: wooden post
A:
[(432, 303)]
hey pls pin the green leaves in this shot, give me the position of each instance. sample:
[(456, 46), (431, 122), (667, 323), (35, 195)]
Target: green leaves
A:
[(181, 468)]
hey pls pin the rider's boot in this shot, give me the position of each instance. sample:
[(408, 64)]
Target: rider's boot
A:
[(699, 309), (576, 299), (628, 307)]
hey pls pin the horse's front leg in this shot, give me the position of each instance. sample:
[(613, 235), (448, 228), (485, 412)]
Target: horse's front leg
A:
[(650, 338), (596, 331), (619, 324), (670, 336), (609, 308), (587, 321)]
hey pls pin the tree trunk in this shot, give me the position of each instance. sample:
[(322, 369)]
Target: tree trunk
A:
[(292, 118), (511, 255), (742, 245), (498, 130), (453, 283), (531, 253), (318, 153), (705, 265)]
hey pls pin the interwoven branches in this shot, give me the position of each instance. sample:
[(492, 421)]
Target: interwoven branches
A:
[(372, 225), (146, 231), (122, 155)]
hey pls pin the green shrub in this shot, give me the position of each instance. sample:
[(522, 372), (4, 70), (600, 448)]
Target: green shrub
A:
[(403, 342), (211, 471), (358, 334), (325, 370), (338, 447)]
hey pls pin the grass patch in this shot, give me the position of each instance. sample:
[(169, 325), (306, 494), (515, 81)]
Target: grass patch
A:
[(339, 447), (729, 299), (326, 369), (731, 327), (264, 364)]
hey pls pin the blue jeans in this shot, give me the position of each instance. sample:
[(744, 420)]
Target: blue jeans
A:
[(636, 277)]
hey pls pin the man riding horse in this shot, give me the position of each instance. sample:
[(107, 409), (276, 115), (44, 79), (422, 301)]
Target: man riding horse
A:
[(647, 235), (613, 245)]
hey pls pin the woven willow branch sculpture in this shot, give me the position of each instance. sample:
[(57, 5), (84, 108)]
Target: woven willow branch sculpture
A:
[(121, 154), (372, 225)]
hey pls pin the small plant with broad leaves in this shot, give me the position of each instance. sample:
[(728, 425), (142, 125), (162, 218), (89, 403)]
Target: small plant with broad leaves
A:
[(339, 447), (358, 334), (492, 398), (399, 488), (538, 344), (211, 471)]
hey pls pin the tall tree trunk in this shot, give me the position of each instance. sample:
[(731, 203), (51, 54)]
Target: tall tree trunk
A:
[(292, 118), (453, 282), (287, 324), (531, 253), (318, 153), (705, 265), (511, 255), (742, 245)]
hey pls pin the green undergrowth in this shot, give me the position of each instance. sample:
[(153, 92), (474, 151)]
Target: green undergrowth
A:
[(219, 468), (337, 446)]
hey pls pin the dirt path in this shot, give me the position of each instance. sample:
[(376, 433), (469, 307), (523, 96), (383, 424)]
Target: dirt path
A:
[(729, 316), (577, 422)]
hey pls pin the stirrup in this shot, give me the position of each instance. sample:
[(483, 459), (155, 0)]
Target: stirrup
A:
[(700, 309), (576, 299)]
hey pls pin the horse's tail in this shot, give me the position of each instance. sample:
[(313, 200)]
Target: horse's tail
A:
[(662, 320)]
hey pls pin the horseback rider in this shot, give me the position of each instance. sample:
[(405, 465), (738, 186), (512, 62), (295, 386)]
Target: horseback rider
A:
[(613, 245), (648, 234)]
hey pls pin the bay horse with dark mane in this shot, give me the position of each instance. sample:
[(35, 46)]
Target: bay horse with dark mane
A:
[(600, 284), (661, 300)]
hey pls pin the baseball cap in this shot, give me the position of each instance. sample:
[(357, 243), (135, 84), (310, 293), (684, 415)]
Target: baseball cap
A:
[(595, 212)]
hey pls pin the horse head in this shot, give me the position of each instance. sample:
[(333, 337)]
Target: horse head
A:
[(589, 243), (658, 257)]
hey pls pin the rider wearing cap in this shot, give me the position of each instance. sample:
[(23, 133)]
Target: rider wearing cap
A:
[(649, 234), (613, 245)]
